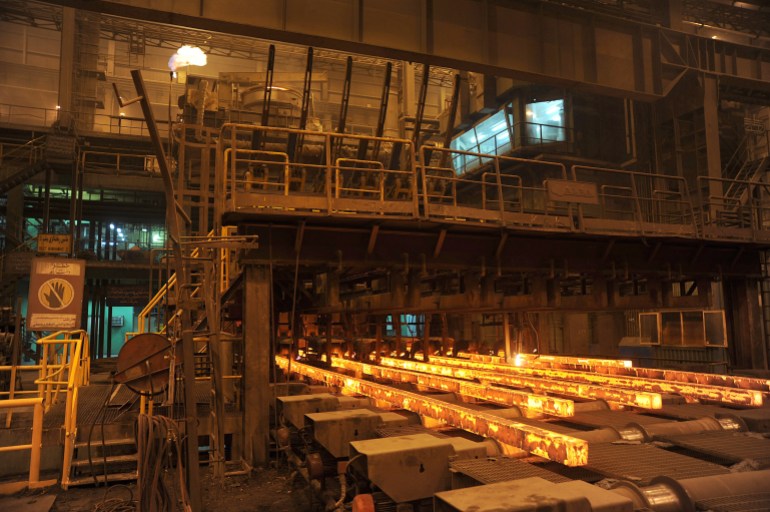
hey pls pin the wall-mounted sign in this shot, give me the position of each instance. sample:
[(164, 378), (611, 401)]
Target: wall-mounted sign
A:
[(572, 191), (54, 244), (127, 295), (55, 294), (18, 263)]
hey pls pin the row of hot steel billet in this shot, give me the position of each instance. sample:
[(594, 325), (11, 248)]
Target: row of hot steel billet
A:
[(625, 367), (514, 376), (486, 374), (528, 402), (561, 448)]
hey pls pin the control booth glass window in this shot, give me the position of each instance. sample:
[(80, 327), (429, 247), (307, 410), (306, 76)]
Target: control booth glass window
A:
[(490, 137), (545, 122)]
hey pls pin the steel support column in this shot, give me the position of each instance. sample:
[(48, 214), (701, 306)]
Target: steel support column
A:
[(711, 131), (66, 64), (747, 348), (256, 341)]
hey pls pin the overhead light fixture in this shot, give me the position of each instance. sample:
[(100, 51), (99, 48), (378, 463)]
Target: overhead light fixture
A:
[(713, 37), (187, 56)]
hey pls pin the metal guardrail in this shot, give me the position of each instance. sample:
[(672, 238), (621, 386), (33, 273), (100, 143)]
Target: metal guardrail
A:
[(315, 172), (504, 191), (493, 194), (228, 272), (96, 123), (70, 349), (63, 368), (34, 445), (725, 217), (118, 163), (636, 201)]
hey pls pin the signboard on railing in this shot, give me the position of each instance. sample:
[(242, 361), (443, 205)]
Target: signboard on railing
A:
[(55, 294), (568, 191), (54, 244)]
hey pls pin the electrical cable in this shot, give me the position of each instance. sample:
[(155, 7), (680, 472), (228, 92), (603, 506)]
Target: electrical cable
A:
[(160, 452), (102, 413), (116, 504)]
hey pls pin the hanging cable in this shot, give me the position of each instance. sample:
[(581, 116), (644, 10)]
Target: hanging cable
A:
[(160, 488)]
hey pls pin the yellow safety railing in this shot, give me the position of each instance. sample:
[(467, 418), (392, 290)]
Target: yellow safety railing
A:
[(142, 319), (63, 368), (227, 272), (34, 446)]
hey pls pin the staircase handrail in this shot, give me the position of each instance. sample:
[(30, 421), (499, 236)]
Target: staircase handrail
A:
[(735, 160), (74, 347), (18, 147), (162, 292)]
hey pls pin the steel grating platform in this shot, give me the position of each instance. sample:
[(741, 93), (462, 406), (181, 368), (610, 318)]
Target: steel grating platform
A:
[(490, 471), (640, 463), (616, 419), (725, 446), (755, 502), (91, 400), (124, 396)]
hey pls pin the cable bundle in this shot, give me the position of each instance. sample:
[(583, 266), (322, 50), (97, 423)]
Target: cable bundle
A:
[(160, 449)]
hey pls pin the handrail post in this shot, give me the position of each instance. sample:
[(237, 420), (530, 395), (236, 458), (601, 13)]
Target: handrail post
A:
[(499, 180), (37, 441), (328, 178), (638, 205)]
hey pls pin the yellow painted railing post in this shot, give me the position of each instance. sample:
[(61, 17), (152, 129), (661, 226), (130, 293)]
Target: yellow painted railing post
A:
[(37, 441)]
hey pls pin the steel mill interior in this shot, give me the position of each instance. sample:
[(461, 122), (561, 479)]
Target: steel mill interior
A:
[(385, 255)]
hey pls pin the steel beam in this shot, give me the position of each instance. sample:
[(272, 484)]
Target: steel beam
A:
[(644, 400), (547, 361), (557, 447), (633, 385), (624, 367), (555, 44), (531, 402)]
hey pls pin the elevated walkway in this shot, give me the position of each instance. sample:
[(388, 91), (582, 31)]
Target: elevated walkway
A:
[(399, 184)]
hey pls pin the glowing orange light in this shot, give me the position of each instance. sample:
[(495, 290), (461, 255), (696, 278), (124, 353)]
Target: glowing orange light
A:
[(560, 448)]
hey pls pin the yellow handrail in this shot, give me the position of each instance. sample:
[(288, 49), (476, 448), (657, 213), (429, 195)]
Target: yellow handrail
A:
[(34, 446), (67, 352), (142, 324)]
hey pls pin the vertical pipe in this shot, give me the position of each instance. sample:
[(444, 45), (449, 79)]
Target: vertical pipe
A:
[(421, 106), (378, 338), (397, 327), (107, 240), (102, 328), (47, 200), (450, 129), (109, 331)]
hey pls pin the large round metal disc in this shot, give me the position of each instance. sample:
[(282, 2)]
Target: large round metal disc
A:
[(143, 363)]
